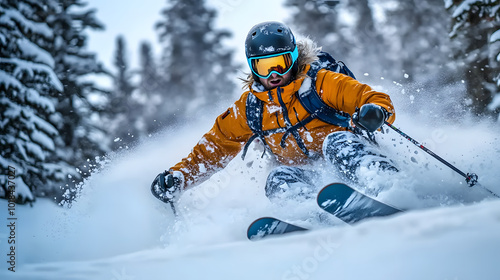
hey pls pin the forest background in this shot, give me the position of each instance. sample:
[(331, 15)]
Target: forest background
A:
[(59, 123)]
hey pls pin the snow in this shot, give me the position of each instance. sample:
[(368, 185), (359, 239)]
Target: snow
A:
[(23, 191), (463, 7), (29, 49), (33, 97), (9, 82), (495, 36), (33, 149), (448, 3), (29, 68), (42, 139), (22, 151), (39, 123), (44, 63), (12, 17), (495, 103), (118, 230)]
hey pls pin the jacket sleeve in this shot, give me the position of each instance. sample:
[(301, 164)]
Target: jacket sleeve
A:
[(346, 94), (217, 147)]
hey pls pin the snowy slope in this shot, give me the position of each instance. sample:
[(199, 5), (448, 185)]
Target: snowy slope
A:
[(117, 230), (455, 243)]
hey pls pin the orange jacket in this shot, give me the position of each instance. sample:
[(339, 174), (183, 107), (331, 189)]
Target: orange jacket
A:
[(231, 131)]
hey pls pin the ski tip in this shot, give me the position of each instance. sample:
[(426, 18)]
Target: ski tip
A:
[(266, 226), (340, 185), (254, 230), (320, 197)]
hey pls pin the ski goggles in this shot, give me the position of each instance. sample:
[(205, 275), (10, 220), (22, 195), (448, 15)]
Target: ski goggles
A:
[(264, 66)]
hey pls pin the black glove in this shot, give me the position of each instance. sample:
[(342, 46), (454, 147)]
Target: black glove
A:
[(166, 186), (370, 117)]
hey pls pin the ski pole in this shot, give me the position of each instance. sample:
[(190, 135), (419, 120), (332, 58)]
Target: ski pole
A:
[(470, 178), (173, 208)]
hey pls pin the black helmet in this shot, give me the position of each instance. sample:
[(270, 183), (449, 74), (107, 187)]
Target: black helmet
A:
[(267, 38)]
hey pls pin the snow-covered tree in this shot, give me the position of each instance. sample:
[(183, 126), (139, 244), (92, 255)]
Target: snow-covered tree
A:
[(82, 135), (475, 24), (28, 113), (198, 69), (49, 125), (419, 46), (346, 29)]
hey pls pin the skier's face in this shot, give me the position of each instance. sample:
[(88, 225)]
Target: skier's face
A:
[(276, 80)]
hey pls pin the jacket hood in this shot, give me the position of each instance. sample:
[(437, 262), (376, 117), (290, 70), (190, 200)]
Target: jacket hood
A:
[(308, 53)]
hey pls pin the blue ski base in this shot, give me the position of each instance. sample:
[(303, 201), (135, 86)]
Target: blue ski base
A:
[(351, 206), (267, 226), (338, 199)]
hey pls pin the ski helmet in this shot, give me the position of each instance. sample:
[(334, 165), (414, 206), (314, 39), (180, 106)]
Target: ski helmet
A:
[(268, 39)]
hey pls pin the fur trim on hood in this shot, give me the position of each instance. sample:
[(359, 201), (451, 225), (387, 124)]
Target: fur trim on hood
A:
[(308, 52)]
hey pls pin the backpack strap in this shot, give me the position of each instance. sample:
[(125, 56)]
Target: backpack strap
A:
[(326, 61), (314, 105), (291, 129), (254, 108), (308, 98)]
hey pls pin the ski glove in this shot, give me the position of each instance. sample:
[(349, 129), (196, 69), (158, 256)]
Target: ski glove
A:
[(370, 117), (167, 186)]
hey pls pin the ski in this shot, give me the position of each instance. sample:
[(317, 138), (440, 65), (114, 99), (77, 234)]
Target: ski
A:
[(267, 226), (350, 205), (338, 199)]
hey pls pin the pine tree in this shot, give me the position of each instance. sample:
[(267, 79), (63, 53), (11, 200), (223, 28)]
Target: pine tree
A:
[(122, 108), (47, 128), (319, 20), (149, 77), (197, 68), (28, 115), (345, 29), (370, 46), (474, 22), (150, 90), (418, 35), (82, 135)]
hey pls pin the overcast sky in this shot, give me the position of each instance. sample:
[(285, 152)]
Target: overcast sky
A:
[(135, 20)]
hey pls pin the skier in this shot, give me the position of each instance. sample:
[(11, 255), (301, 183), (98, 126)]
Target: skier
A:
[(296, 138)]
